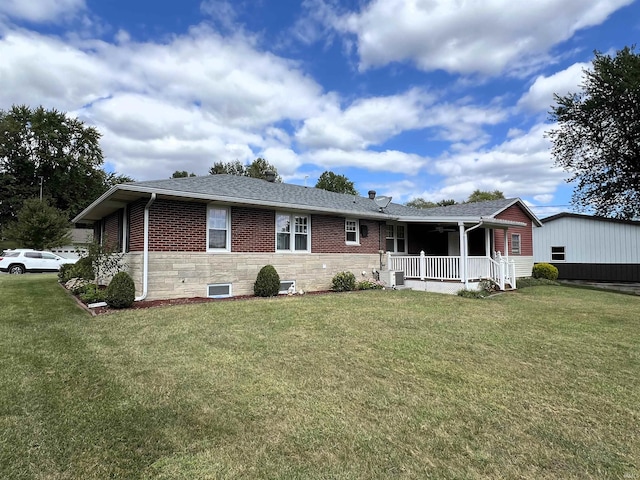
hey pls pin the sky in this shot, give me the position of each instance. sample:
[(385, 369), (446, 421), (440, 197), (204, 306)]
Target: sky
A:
[(413, 98)]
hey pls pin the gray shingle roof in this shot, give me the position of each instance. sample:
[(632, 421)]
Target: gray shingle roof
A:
[(235, 189)]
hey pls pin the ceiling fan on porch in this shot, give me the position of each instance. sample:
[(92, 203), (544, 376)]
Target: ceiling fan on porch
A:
[(442, 229)]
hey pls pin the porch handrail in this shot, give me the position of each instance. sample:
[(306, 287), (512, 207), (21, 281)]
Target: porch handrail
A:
[(426, 267)]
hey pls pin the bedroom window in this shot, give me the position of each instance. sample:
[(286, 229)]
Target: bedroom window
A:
[(218, 237), (557, 254), (515, 244), (292, 233), (351, 228)]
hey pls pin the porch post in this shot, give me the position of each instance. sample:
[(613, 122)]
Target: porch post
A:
[(423, 266), (463, 254), (506, 243), (388, 260), (487, 242)]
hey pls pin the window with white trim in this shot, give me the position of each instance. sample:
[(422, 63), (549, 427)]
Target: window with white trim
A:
[(396, 238), (558, 254), (515, 244), (351, 231), (219, 290), (292, 233), (218, 229)]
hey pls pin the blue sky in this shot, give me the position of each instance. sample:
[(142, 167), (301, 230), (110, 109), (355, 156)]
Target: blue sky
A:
[(414, 98)]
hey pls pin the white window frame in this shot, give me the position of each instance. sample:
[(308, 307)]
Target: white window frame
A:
[(286, 290), (356, 230), (292, 233), (220, 285), (395, 226), (563, 253), (514, 250), (227, 247)]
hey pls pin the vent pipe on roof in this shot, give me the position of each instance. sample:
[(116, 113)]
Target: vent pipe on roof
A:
[(270, 176), (372, 194)]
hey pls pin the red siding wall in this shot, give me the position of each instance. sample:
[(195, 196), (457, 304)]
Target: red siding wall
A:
[(253, 230), (515, 213), (328, 236), (177, 226)]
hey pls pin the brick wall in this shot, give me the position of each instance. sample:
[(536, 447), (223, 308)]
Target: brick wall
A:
[(112, 233), (177, 226), (136, 225), (253, 230), (328, 236), (516, 213)]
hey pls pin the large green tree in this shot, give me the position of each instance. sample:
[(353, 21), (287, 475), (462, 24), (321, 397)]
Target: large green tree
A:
[(597, 139), (422, 203), (39, 226), (336, 183), (256, 169), (182, 174), (47, 153), (483, 196)]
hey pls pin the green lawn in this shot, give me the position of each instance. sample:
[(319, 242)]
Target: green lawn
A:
[(539, 383)]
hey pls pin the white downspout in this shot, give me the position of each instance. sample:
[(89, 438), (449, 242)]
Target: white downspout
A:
[(145, 252), (466, 246)]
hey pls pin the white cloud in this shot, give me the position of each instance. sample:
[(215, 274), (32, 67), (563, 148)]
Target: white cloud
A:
[(539, 97), (41, 11), (482, 36), (389, 160)]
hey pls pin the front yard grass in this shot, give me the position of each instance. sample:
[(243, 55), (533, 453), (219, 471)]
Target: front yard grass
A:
[(540, 383)]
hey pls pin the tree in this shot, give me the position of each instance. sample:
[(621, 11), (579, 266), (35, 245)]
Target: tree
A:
[(46, 153), (482, 196), (182, 174), (336, 183), (256, 169), (40, 226), (422, 203), (597, 139)]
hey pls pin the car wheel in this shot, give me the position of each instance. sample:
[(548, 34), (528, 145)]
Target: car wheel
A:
[(16, 269)]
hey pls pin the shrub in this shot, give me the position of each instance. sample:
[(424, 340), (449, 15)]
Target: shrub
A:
[(472, 293), (534, 282), (267, 283), (545, 270), (367, 284), (343, 282), (66, 272), (121, 292), (91, 293), (83, 269)]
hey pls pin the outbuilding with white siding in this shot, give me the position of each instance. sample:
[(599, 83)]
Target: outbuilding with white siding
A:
[(585, 247)]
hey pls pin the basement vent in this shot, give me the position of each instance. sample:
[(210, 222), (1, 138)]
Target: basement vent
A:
[(219, 290), (285, 285)]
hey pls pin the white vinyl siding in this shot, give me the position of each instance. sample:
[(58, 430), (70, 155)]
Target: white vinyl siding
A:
[(588, 241)]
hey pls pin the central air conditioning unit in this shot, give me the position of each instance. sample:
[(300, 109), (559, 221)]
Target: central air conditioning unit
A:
[(392, 278)]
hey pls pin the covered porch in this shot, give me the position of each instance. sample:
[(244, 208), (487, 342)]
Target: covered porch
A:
[(447, 257)]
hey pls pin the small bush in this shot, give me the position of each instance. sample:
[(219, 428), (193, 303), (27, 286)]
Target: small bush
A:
[(343, 282), (121, 292), (534, 282), (92, 294), (488, 286), (66, 272), (472, 293), (367, 284), (267, 283), (83, 269), (545, 270)]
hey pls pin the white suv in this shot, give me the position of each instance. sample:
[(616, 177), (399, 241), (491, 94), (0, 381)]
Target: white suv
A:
[(22, 260)]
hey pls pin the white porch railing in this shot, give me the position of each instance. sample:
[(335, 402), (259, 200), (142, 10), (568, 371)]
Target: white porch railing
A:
[(424, 267)]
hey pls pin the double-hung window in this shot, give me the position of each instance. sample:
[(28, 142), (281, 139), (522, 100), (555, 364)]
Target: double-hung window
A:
[(292, 233), (558, 254), (218, 229), (515, 244), (351, 233), (396, 241)]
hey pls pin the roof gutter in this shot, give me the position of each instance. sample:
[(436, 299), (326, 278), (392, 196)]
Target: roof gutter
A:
[(145, 252)]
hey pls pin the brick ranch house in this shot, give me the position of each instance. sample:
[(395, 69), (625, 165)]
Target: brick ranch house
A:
[(209, 236)]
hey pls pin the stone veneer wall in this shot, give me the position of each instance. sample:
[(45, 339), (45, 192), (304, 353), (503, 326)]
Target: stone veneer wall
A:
[(187, 274)]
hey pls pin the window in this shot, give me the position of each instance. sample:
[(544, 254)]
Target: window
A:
[(49, 256), (33, 255), (294, 239), (396, 241), (220, 290), (351, 228), (285, 285), (557, 254), (515, 244), (218, 238)]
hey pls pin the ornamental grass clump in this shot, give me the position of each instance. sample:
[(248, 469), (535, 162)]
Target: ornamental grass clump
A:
[(545, 270), (121, 291), (343, 282), (267, 283)]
